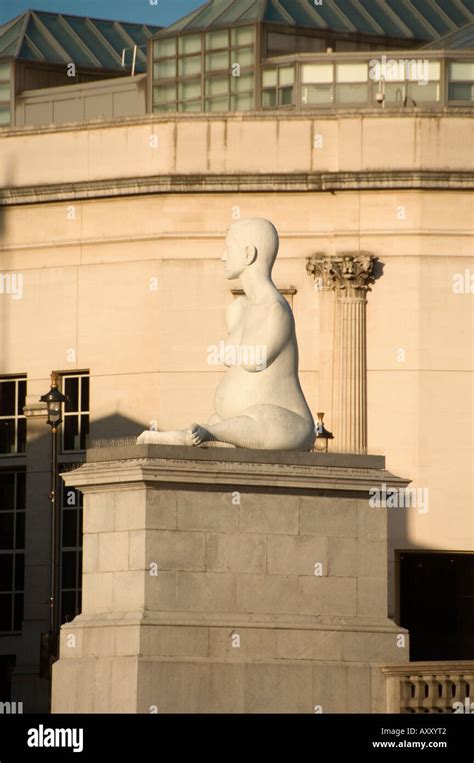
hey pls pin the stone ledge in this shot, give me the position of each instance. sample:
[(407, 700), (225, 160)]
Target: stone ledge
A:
[(435, 667), (215, 620), (236, 455), (128, 467), (238, 183), (298, 115)]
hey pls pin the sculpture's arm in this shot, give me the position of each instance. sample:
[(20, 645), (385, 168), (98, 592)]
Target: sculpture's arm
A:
[(272, 337)]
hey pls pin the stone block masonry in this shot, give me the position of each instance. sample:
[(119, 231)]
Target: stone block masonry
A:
[(220, 580)]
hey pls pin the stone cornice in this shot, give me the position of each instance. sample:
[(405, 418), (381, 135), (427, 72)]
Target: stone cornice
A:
[(235, 474), (304, 115), (437, 667), (241, 183)]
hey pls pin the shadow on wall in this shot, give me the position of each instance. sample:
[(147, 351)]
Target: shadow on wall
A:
[(27, 687), (113, 430), (5, 265)]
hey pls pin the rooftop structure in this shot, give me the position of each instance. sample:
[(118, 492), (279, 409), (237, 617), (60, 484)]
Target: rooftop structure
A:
[(57, 38), (48, 50), (238, 56), (397, 19)]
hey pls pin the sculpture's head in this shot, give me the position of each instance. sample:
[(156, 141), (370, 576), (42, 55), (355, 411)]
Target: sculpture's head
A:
[(250, 243)]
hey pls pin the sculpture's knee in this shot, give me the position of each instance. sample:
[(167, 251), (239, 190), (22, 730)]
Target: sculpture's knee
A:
[(281, 429)]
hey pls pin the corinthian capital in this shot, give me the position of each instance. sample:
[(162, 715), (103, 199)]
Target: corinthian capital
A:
[(349, 273)]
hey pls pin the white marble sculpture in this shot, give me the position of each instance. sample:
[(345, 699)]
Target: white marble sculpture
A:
[(259, 402)]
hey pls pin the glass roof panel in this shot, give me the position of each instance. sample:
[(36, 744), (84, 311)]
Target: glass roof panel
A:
[(27, 51), (348, 7), (135, 32), (461, 39), (93, 42), (453, 10), (469, 4), (9, 38), (274, 14), (9, 50), (92, 49), (327, 11), (301, 12), (430, 12), (50, 53), (214, 13), (419, 28), (112, 34), (384, 19), (246, 10), (63, 35)]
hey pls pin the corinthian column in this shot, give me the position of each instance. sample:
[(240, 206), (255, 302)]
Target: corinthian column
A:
[(350, 277)]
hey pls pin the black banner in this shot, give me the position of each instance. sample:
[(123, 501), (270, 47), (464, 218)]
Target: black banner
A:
[(135, 737)]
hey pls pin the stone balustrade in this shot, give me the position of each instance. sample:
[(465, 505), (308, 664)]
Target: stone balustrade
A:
[(430, 687)]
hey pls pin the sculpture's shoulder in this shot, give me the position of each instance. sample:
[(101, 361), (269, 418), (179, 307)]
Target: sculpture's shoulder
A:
[(281, 311), (235, 312)]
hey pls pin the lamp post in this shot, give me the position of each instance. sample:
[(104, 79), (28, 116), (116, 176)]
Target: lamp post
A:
[(49, 643), (322, 435)]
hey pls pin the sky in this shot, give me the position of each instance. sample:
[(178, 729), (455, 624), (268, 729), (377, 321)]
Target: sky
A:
[(162, 14)]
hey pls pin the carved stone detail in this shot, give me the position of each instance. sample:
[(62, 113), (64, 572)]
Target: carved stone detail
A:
[(350, 273)]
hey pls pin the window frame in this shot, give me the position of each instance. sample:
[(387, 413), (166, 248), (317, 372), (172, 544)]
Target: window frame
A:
[(178, 104), (8, 102), (449, 82), (278, 88), (372, 87), (76, 548), (17, 378), (79, 413), (15, 551)]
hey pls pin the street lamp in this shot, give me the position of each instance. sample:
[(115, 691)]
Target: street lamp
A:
[(49, 646), (322, 435)]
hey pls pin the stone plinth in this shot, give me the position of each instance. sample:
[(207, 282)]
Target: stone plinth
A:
[(228, 580)]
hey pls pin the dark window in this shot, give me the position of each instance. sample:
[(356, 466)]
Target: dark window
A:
[(437, 604), (280, 44), (12, 549), (12, 420), (71, 552), (7, 664)]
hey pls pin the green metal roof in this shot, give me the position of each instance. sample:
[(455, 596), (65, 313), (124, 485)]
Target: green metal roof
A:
[(58, 38), (423, 20)]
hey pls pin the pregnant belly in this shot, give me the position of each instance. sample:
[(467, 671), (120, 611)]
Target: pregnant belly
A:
[(239, 390), (232, 394)]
